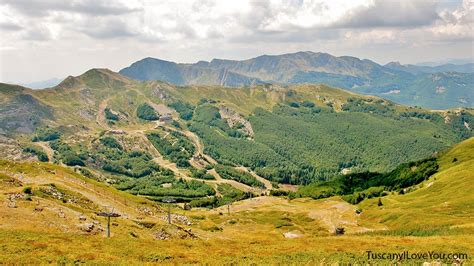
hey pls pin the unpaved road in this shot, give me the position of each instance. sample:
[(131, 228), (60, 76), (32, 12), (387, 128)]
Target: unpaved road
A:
[(100, 118), (47, 149), (268, 184), (196, 141)]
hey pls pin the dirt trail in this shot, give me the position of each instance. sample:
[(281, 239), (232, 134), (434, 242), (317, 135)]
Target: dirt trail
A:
[(179, 172), (196, 141), (268, 184), (184, 174), (45, 146), (100, 119), (199, 147)]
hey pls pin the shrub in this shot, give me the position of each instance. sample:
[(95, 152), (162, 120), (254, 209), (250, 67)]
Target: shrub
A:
[(308, 104), (146, 112), (46, 134), (27, 190), (201, 174), (228, 172), (40, 154), (71, 159), (178, 151), (204, 202), (295, 104), (278, 192), (185, 110), (111, 143), (110, 116), (67, 154)]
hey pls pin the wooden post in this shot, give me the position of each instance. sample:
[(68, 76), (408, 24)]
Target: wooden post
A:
[(108, 226), (169, 213), (169, 201)]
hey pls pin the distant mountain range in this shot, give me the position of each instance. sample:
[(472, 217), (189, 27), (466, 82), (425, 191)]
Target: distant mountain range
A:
[(464, 68), (42, 84), (440, 87)]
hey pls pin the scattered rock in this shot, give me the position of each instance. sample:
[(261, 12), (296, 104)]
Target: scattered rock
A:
[(234, 119), (161, 235), (145, 210), (177, 218), (339, 230), (15, 196), (117, 131), (293, 234), (87, 227), (92, 227), (82, 218), (38, 208), (12, 204)]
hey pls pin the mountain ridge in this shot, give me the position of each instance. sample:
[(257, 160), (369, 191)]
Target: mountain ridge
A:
[(406, 84)]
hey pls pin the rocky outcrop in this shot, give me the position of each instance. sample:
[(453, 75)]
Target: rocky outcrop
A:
[(235, 120)]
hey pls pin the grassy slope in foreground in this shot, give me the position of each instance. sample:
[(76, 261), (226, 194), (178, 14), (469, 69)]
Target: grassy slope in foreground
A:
[(253, 231), (443, 204)]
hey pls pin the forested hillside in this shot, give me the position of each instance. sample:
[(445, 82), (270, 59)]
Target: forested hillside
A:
[(156, 139)]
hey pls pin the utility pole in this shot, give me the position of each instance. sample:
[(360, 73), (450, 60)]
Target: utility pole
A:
[(169, 201), (108, 215)]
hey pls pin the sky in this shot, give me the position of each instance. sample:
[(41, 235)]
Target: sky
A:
[(44, 39)]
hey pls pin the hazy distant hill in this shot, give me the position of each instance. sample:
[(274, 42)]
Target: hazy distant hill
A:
[(43, 83), (464, 68), (441, 87)]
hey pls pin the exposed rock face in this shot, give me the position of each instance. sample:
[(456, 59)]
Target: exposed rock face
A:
[(10, 149), (234, 120), (23, 113), (87, 114), (160, 93)]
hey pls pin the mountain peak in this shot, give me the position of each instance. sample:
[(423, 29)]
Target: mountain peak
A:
[(94, 75), (394, 64)]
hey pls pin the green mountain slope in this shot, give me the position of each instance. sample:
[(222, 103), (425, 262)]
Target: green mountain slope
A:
[(295, 134), (442, 204)]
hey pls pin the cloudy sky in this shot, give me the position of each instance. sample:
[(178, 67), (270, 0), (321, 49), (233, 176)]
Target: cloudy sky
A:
[(43, 39)]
